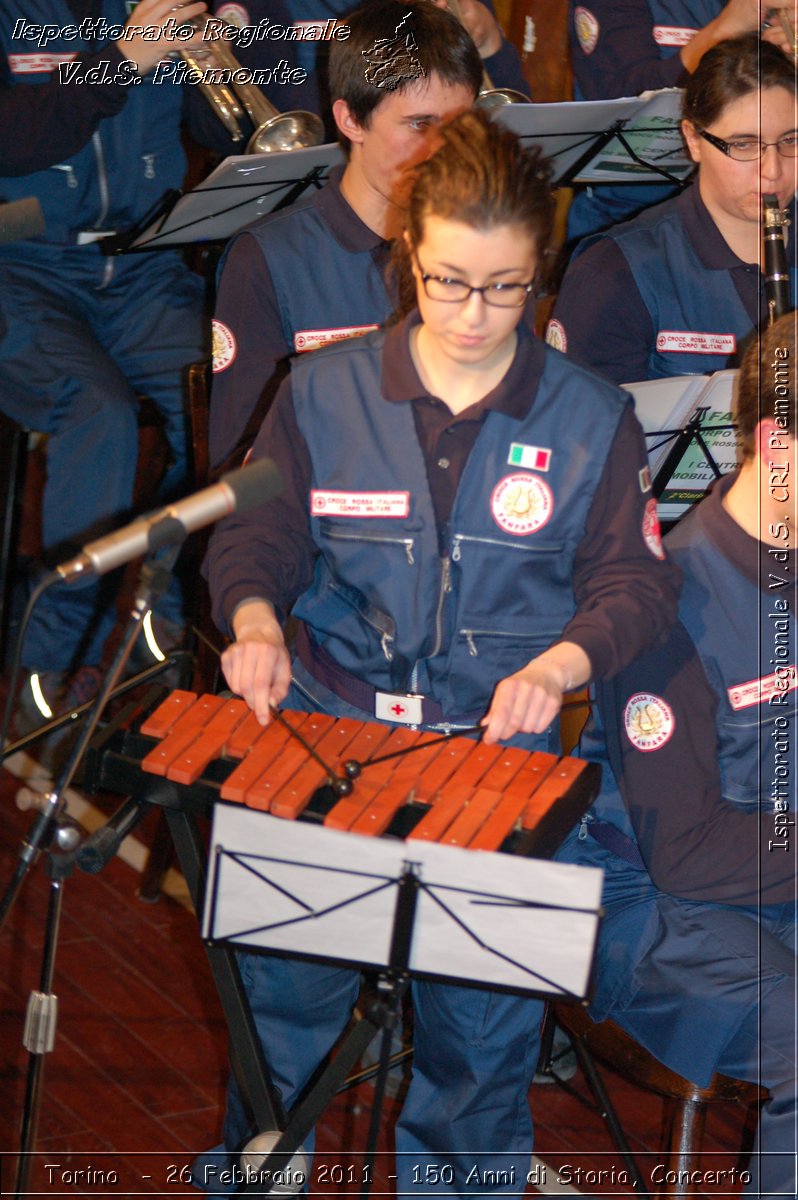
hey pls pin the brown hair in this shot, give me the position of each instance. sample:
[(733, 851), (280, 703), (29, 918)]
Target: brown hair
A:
[(441, 46), (768, 382), (730, 70), (480, 175)]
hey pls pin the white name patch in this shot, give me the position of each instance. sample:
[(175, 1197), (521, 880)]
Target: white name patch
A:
[(38, 63), (314, 339), (689, 342), (673, 35), (760, 691), (359, 504)]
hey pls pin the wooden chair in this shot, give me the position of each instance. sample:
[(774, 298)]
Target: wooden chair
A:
[(686, 1104)]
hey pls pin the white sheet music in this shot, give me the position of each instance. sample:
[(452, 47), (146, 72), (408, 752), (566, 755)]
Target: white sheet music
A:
[(668, 404), (494, 919)]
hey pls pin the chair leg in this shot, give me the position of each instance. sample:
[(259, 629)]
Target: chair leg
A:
[(686, 1122), (608, 1114)]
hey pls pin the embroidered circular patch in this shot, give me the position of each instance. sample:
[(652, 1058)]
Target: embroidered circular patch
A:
[(556, 335), (587, 29), (234, 14), (521, 504), (651, 533), (649, 721), (224, 347)]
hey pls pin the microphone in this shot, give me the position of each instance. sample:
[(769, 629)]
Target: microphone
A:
[(21, 219), (237, 491)]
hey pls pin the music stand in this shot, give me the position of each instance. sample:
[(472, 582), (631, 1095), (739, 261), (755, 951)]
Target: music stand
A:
[(629, 140), (691, 437), (409, 909), (239, 191)]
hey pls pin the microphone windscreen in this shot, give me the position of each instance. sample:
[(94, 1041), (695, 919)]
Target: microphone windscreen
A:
[(254, 484)]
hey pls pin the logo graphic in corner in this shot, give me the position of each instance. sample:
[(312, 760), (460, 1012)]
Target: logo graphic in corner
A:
[(391, 61), (224, 347), (587, 29), (556, 336), (651, 532), (521, 504), (649, 722)]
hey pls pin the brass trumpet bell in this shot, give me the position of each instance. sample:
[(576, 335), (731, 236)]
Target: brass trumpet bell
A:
[(274, 131)]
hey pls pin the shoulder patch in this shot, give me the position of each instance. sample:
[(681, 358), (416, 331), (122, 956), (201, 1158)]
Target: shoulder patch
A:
[(224, 347), (587, 29), (556, 335), (234, 14), (651, 530), (649, 722)]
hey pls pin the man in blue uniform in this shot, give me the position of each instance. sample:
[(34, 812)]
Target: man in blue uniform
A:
[(83, 129), (301, 83), (317, 272), (695, 826)]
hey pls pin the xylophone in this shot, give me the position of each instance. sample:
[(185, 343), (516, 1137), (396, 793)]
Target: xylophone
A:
[(453, 790)]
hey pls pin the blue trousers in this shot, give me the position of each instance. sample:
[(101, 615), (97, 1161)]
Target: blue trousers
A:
[(82, 337), (704, 987), (475, 1053)]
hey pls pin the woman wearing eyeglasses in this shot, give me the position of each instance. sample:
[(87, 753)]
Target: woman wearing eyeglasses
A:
[(678, 290), (465, 534)]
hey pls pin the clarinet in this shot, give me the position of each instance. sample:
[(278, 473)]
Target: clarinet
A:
[(777, 274)]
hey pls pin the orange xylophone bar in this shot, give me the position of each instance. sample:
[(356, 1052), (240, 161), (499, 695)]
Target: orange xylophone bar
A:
[(457, 791)]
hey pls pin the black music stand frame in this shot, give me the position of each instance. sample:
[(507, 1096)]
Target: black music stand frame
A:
[(237, 193), (53, 822)]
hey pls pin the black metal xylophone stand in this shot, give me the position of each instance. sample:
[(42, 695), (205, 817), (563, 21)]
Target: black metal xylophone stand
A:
[(381, 1017), (54, 832)]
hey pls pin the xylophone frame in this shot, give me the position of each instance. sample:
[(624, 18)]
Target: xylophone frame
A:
[(113, 764)]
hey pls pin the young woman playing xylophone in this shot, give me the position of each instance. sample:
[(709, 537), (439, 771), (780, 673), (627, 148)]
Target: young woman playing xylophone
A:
[(466, 533)]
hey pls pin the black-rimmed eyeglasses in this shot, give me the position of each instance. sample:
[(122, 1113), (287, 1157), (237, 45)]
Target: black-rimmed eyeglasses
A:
[(749, 149), (457, 291)]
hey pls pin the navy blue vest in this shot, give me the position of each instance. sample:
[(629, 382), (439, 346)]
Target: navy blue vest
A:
[(316, 278), (131, 159), (384, 602), (722, 611), (690, 305)]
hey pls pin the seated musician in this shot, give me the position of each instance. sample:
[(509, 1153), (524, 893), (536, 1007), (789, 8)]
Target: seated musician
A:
[(643, 45), (679, 288), (465, 518), (316, 272), (697, 950), (302, 83)]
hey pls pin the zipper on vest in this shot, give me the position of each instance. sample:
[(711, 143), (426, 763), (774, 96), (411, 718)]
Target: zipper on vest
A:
[(71, 181), (407, 542), (445, 588), (471, 635), (102, 180), (459, 538)]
